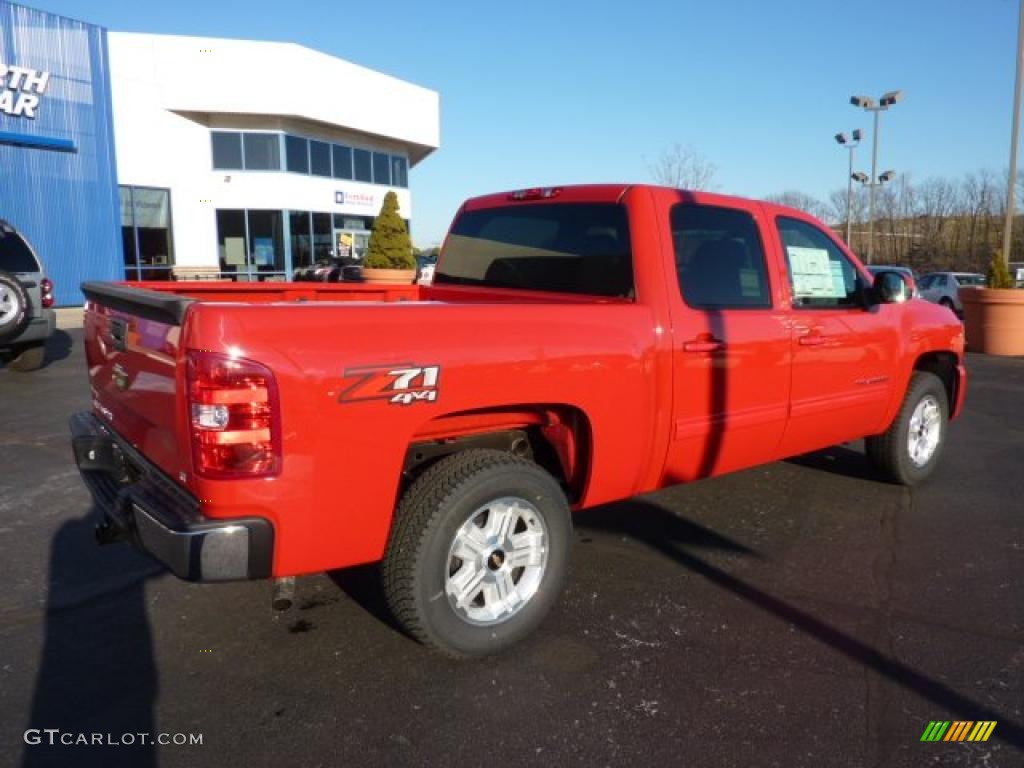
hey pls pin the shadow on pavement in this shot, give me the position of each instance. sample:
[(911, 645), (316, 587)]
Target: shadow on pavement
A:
[(363, 585), (838, 460), (663, 532), (58, 347), (657, 527), (97, 674)]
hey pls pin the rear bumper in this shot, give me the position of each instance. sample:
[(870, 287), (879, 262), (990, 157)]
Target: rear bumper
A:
[(139, 503), (39, 329)]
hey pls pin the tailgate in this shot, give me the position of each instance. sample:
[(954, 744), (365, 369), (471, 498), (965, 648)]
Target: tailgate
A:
[(132, 345)]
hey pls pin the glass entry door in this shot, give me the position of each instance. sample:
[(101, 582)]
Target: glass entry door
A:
[(351, 243)]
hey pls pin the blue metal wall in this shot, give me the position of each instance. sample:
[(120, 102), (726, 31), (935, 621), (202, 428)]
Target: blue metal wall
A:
[(65, 202)]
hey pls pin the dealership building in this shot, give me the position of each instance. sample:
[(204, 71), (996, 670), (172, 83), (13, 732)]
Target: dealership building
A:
[(159, 157)]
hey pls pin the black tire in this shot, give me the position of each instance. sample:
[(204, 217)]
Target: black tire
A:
[(890, 451), (14, 305), (418, 561), (29, 358)]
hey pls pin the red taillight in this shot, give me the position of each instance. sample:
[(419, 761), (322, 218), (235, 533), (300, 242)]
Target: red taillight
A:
[(46, 292), (234, 417)]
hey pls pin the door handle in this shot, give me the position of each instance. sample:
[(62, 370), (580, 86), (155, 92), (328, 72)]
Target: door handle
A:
[(812, 339), (704, 343)]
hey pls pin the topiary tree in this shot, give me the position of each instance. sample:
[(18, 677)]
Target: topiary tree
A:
[(390, 246), (998, 275)]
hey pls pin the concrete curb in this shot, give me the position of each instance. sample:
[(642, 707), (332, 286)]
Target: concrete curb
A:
[(69, 317)]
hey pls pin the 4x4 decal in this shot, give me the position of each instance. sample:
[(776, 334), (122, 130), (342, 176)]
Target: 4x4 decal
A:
[(398, 383)]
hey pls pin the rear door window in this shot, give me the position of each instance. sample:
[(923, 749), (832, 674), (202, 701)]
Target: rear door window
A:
[(15, 255), (719, 258), (579, 248)]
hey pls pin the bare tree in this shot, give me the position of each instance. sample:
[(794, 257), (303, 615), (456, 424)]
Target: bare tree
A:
[(683, 167), (801, 201)]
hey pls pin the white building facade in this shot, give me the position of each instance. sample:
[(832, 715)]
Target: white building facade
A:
[(249, 160)]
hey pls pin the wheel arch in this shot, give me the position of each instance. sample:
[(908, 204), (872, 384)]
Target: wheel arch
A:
[(557, 436), (943, 365)]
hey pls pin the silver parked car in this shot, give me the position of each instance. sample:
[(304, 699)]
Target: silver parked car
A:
[(27, 319), (944, 287)]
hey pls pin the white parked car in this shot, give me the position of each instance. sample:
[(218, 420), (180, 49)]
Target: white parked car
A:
[(944, 287)]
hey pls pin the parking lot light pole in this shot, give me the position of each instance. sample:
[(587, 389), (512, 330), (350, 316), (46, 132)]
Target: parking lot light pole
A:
[(865, 180), (1014, 139), (851, 143), (870, 105)]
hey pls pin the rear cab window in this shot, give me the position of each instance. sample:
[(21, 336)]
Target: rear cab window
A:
[(15, 255), (820, 274), (581, 248)]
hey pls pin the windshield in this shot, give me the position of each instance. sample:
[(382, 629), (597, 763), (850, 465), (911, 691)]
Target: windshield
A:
[(15, 255), (564, 247), (974, 280)]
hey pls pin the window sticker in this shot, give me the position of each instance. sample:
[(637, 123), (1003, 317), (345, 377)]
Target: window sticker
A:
[(814, 275)]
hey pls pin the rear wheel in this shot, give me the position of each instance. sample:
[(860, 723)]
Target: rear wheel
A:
[(478, 552), (909, 450), (29, 358), (13, 306)]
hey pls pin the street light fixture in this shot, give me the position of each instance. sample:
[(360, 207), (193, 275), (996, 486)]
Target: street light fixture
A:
[(851, 143), (868, 104), (865, 180)]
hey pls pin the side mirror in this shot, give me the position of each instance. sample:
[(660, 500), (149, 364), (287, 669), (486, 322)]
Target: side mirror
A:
[(891, 288)]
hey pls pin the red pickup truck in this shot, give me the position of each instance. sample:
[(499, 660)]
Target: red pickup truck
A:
[(578, 345)]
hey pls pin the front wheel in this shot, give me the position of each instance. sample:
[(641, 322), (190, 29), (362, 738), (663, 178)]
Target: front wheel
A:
[(478, 552), (909, 450)]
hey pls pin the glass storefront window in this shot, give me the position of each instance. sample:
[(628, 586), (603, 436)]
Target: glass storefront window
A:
[(301, 239), (146, 233), (131, 253), (227, 151), (363, 169), (399, 171), (381, 168), (233, 150), (320, 158), (152, 209), (342, 161), (262, 151), (296, 151), (266, 241), (348, 221), (323, 237), (231, 240)]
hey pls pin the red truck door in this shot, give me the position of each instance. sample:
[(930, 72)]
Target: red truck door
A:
[(731, 342), (843, 353)]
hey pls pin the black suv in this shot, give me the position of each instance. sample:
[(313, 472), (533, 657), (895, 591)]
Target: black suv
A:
[(27, 319)]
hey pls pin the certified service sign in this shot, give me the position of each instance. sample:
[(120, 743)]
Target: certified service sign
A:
[(20, 90)]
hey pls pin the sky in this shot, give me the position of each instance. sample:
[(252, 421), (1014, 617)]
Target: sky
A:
[(575, 91)]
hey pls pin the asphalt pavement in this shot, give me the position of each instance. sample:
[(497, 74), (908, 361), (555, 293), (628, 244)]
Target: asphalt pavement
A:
[(797, 614)]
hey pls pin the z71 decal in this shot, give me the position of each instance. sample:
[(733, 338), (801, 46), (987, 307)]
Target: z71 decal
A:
[(398, 383)]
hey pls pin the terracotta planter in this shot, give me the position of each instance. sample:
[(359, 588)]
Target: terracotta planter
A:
[(994, 320), (389, 276)]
